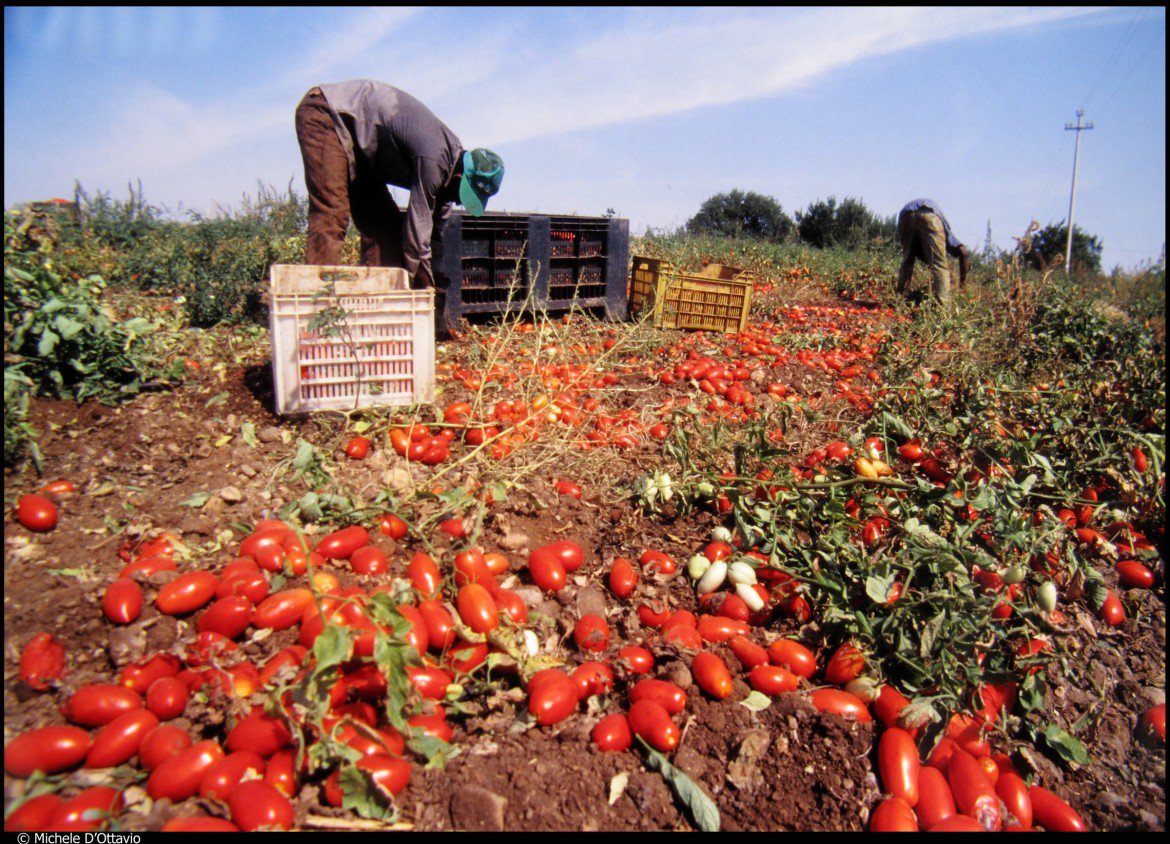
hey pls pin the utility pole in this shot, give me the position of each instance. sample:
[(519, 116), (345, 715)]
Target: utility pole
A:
[(1072, 199)]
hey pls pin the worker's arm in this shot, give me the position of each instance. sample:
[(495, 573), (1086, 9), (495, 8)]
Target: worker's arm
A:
[(420, 221), (963, 255)]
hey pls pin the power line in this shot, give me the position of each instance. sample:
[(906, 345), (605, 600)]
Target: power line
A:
[(1073, 193)]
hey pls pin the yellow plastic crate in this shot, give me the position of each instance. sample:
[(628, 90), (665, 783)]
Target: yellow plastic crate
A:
[(378, 348), (717, 298)]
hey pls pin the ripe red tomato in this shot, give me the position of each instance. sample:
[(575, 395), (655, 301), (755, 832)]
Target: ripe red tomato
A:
[(255, 804), (33, 815), (122, 601), (844, 665), (179, 776), (622, 578), (772, 679), (431, 682), (167, 698), (471, 567), (477, 609), (1154, 720), (591, 633), (842, 704), (1135, 574), (424, 574), (893, 815), (89, 811), (36, 512), (221, 779), (340, 544), (973, 792), (635, 659), (228, 616), (935, 801), (281, 772), (898, 764), (160, 744), (98, 704), (1013, 791), (259, 732), (511, 604), (369, 560), (547, 570), (282, 609), (186, 593), (612, 733), (357, 448), (570, 554), (794, 656), (666, 694), (392, 526), (42, 662), (552, 698), (1053, 813), (889, 705), (649, 720), (747, 652), (202, 823), (118, 741), (48, 749), (568, 488), (1112, 612), (711, 674)]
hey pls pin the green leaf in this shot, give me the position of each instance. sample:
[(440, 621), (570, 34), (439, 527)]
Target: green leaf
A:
[(47, 343), (878, 588), (756, 701), (1068, 747), (197, 500), (248, 431), (703, 810), (332, 647), (362, 795), (217, 400)]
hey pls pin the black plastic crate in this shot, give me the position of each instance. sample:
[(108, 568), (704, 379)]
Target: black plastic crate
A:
[(499, 263)]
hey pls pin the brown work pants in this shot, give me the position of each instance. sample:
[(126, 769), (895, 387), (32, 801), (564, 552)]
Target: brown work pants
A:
[(334, 199), (923, 237)]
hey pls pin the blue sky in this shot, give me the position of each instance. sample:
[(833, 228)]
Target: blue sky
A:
[(645, 110)]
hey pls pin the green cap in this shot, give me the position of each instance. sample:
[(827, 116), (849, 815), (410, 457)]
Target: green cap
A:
[(483, 171)]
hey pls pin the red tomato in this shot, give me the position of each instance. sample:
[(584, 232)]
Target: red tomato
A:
[(1054, 814), (424, 574), (1013, 791), (898, 764), (221, 779), (42, 662), (118, 741), (47, 749), (893, 815), (455, 528), (259, 732), (547, 570), (186, 593), (228, 616), (622, 578), (592, 678), (471, 567), (439, 623), (179, 776), (369, 560), (553, 698), (138, 676), (635, 659), (122, 601), (974, 794), (794, 656), (89, 811), (357, 448), (650, 720), (1134, 574), (657, 561), (1154, 720), (772, 679), (842, 704), (569, 553), (340, 544), (1112, 612), (957, 823), (612, 733), (717, 628), (167, 698), (664, 693), (160, 744), (477, 609), (512, 605), (935, 802), (33, 815), (392, 526), (282, 609), (844, 665), (431, 682), (711, 674), (591, 633), (255, 804), (889, 705), (100, 703), (747, 652), (36, 513), (568, 488)]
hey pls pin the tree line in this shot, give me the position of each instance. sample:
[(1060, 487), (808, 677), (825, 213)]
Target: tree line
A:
[(827, 224)]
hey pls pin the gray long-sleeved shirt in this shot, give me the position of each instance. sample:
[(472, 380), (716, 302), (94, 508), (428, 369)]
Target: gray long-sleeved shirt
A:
[(953, 243), (400, 142)]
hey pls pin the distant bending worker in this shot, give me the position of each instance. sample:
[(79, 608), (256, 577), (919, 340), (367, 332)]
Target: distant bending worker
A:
[(926, 235), (359, 136)]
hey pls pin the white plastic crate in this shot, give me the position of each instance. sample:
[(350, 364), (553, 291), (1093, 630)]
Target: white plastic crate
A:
[(384, 352)]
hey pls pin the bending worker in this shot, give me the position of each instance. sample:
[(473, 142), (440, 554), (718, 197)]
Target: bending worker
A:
[(926, 235), (357, 137)]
